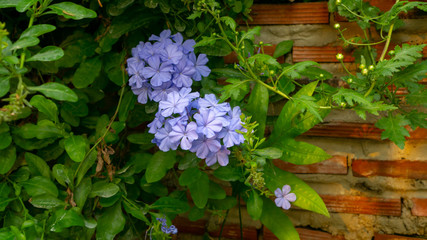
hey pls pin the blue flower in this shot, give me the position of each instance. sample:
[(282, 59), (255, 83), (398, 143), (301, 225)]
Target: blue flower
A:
[(158, 72), (203, 146), (157, 123), (185, 134), (207, 122), (183, 72), (142, 93), (210, 101), (161, 93), (164, 36), (174, 104), (162, 137), (221, 157), (172, 54), (199, 64), (284, 197)]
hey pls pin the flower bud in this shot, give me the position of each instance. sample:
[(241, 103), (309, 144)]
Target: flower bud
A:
[(338, 2), (321, 75), (339, 56), (365, 71), (261, 43), (337, 26), (350, 80), (391, 53), (371, 67), (271, 72), (362, 66), (343, 104)]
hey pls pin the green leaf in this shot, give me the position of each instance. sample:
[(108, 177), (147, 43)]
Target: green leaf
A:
[(136, 211), (230, 22), (46, 201), (196, 213), (250, 34), (40, 185), (254, 205), (269, 152), (128, 104), (206, 41), (37, 30), (5, 138), (108, 229), (199, 190), (295, 71), (8, 3), (228, 73), (417, 98), (283, 48), (4, 85), (87, 72), (277, 221), (140, 138), (300, 153), (75, 147), (62, 174), (38, 166), (307, 103), (236, 90), (258, 107), (170, 205), (263, 59), (7, 159), (394, 129), (46, 106), (104, 189), (216, 191), (228, 173), (159, 164), (86, 164), (417, 119), (219, 48), (44, 129), (81, 193), (23, 5), (56, 91), (72, 10), (223, 204), (62, 219), (24, 42), (189, 176), (307, 198), (49, 53)]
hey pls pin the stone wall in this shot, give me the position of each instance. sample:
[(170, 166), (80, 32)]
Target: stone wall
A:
[(372, 189)]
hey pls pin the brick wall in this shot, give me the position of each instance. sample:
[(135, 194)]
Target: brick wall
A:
[(372, 189)]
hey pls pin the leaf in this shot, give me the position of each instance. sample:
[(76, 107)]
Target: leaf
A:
[(46, 201), (75, 147), (44, 129), (46, 106), (277, 221), (49, 53), (38, 166), (4, 85), (128, 104), (236, 90), (224, 204), (189, 176), (62, 174), (104, 189), (283, 48), (258, 107), (230, 22), (170, 205), (414, 73), (82, 192), (23, 5), (86, 164), (24, 42), (269, 152), (263, 59), (307, 198), (136, 211), (206, 41), (216, 191), (295, 71), (87, 72), (219, 48), (62, 219), (250, 34), (40, 185), (199, 190), (72, 10), (417, 119), (417, 98), (228, 173), (228, 73), (8, 3), (56, 91), (254, 205), (394, 129), (300, 153), (159, 164), (7, 159), (37, 30), (307, 103), (106, 228), (5, 138), (140, 138)]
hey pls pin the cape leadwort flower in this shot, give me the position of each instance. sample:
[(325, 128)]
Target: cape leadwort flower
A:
[(168, 230), (284, 197), (164, 71), (169, 64)]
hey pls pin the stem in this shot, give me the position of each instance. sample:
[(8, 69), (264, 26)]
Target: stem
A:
[(345, 68), (33, 16), (223, 224), (369, 49)]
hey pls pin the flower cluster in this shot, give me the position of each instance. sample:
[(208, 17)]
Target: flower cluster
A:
[(168, 230), (284, 197), (167, 65), (200, 125)]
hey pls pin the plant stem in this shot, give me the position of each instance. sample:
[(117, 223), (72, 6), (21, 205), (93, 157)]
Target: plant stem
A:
[(33, 16), (223, 224), (369, 49)]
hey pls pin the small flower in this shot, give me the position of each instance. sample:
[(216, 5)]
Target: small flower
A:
[(337, 26), (365, 71), (221, 157), (184, 134), (340, 56), (174, 104), (371, 67), (284, 197), (207, 122)]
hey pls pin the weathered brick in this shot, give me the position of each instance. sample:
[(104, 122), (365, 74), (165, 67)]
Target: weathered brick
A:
[(186, 226), (387, 168), (393, 237), (362, 205), (335, 165), (297, 13), (305, 234), (420, 207), (233, 232)]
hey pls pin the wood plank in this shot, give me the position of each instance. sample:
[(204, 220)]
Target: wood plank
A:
[(305, 234), (394, 237), (390, 168), (296, 13), (335, 165)]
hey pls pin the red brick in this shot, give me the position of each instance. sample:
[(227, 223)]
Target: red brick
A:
[(297, 13), (362, 205), (393, 237), (186, 226), (233, 232), (335, 165), (420, 207), (306, 234), (387, 168)]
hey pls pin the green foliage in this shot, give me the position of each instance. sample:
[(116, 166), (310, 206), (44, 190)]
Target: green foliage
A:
[(394, 129)]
